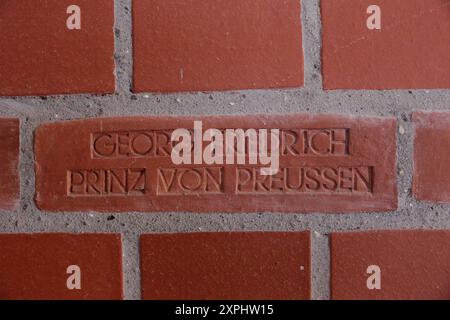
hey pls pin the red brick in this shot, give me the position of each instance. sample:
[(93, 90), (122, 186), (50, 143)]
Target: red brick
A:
[(412, 265), (9, 163), (37, 266), (40, 56), (197, 45), (257, 265), (80, 166), (432, 156), (410, 51)]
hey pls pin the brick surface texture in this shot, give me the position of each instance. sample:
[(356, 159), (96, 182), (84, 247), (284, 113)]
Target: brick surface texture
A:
[(347, 164), (225, 265), (92, 206)]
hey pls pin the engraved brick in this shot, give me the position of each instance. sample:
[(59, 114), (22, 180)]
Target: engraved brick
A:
[(407, 47), (390, 265), (198, 45), (60, 266), (432, 156), (326, 163), (257, 265), (9, 163), (46, 49)]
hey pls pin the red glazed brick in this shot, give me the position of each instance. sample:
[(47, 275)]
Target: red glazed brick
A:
[(60, 266), (326, 163), (406, 48), (198, 45), (390, 265), (9, 163), (432, 156), (215, 266), (46, 49)]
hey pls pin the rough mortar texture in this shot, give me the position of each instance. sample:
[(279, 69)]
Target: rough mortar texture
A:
[(34, 111)]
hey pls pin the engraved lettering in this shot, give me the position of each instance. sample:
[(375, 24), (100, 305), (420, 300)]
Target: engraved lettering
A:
[(131, 144), (106, 182), (163, 146), (289, 143), (142, 143), (190, 181), (325, 180), (103, 145), (314, 142), (241, 146)]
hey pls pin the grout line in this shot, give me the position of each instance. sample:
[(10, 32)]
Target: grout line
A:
[(321, 266), (311, 28), (123, 56), (124, 46), (131, 266)]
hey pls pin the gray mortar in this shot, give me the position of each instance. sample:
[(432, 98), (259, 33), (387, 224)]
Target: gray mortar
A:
[(34, 111)]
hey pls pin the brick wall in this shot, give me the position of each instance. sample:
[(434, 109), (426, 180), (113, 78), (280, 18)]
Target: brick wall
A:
[(383, 134)]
